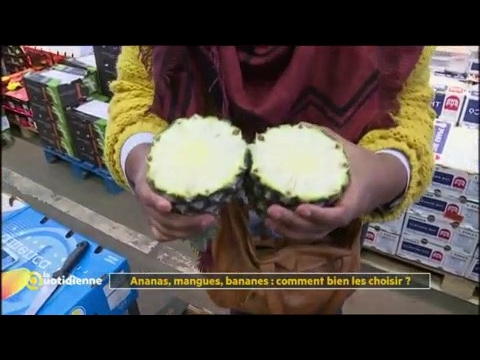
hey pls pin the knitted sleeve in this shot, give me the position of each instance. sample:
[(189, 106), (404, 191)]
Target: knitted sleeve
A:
[(128, 111), (412, 136)]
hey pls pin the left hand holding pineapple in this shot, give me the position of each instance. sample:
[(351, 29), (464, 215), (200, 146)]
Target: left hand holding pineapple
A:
[(165, 225)]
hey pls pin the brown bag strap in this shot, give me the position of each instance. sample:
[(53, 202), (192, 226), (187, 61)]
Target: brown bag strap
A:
[(274, 298)]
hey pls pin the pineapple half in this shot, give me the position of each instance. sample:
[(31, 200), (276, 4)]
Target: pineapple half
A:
[(198, 164), (294, 164)]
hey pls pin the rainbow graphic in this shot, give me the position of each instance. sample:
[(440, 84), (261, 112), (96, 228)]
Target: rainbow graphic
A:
[(14, 281)]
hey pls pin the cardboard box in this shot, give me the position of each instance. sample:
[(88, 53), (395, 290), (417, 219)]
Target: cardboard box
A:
[(61, 85), (465, 212), (394, 226), (85, 62), (473, 271), (381, 240), (52, 142), (439, 231), (49, 129), (12, 205), (106, 58), (456, 157), (455, 59), (470, 117), (474, 66), (448, 102), (88, 122), (35, 247), (17, 101), (417, 248)]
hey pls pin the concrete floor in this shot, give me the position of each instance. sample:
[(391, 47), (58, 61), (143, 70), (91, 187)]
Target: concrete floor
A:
[(115, 222)]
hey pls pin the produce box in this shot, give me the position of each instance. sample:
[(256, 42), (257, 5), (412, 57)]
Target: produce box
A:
[(471, 114), (456, 157), (12, 50), (448, 207), (473, 271), (7, 138), (381, 240), (52, 127), (394, 226), (106, 58), (88, 122), (17, 101), (12, 205), (417, 248), (440, 232), (86, 62), (14, 59), (449, 100), (61, 85), (33, 247)]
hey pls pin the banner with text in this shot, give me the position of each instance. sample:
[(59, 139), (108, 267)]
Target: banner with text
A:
[(270, 281)]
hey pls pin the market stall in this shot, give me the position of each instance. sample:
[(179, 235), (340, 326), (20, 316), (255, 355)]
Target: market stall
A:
[(438, 234)]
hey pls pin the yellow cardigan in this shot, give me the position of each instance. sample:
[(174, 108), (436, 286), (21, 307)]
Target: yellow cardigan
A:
[(133, 94)]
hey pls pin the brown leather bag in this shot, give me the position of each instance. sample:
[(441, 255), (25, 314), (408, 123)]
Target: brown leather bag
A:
[(234, 250)]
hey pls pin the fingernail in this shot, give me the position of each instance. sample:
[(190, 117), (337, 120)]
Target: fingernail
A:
[(163, 205), (304, 212), (275, 214), (155, 233), (206, 223)]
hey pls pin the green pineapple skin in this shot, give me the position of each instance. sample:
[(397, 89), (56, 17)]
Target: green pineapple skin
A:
[(260, 196), (201, 204)]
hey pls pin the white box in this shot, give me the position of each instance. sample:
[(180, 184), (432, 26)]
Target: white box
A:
[(5, 123), (69, 51), (381, 240), (448, 101), (454, 59), (465, 212), (473, 271), (470, 117), (456, 157), (473, 67), (416, 248), (440, 232), (394, 226)]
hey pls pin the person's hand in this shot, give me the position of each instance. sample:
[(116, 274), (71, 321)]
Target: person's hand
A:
[(165, 225), (376, 180)]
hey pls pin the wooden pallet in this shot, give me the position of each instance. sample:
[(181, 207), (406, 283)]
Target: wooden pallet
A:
[(450, 284), (82, 169)]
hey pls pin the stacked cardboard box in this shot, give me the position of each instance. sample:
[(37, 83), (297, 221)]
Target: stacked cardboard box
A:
[(87, 124), (452, 59), (52, 92), (14, 59), (473, 271), (456, 101), (106, 58), (17, 109), (471, 113), (441, 229), (384, 237)]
